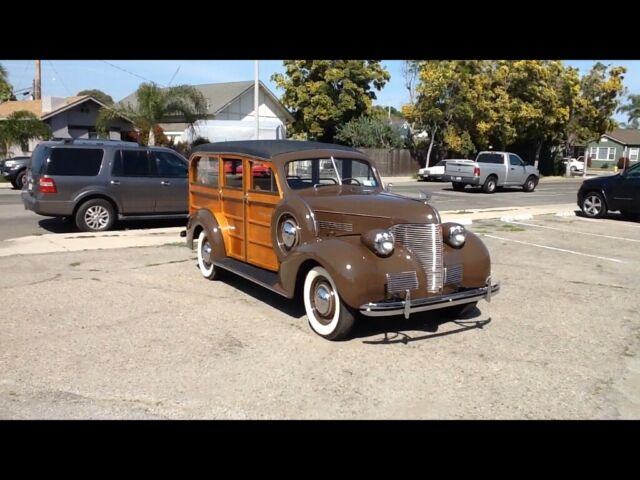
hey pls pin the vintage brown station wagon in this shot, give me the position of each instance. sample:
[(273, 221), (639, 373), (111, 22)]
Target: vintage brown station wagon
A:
[(314, 219)]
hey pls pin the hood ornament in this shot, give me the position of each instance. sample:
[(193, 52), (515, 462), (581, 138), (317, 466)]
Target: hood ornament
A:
[(426, 196)]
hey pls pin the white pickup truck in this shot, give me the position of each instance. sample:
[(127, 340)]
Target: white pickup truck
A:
[(492, 170)]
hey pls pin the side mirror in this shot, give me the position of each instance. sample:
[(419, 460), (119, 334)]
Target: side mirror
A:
[(389, 187)]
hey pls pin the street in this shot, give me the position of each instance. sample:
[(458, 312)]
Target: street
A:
[(15, 221)]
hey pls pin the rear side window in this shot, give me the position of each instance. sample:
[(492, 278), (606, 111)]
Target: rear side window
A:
[(170, 165), (233, 173), (78, 162), (490, 158), (133, 163), (39, 158)]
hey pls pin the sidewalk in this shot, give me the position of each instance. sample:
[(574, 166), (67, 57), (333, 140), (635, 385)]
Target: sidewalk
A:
[(73, 242)]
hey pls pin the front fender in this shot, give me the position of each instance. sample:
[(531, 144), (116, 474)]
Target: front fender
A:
[(476, 262), (204, 219), (359, 274)]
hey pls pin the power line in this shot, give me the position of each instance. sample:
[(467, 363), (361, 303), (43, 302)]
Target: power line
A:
[(174, 75), (61, 81), (134, 74)]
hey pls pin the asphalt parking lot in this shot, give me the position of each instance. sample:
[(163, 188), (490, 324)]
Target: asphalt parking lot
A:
[(138, 333)]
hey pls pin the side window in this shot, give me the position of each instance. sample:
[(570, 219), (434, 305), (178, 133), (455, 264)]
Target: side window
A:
[(170, 165), (262, 179), (206, 171), (132, 163), (515, 160), (232, 173), (80, 162), (633, 172)]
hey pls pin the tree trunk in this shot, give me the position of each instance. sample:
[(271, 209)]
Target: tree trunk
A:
[(152, 138), (433, 135), (536, 160)]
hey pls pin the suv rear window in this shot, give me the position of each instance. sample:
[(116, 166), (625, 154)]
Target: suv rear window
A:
[(490, 158), (77, 162), (38, 159)]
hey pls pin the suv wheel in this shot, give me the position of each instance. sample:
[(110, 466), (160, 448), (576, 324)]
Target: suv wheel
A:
[(20, 180), (593, 205), (96, 215)]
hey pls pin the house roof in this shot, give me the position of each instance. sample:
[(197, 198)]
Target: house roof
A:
[(220, 95), (268, 148), (625, 136)]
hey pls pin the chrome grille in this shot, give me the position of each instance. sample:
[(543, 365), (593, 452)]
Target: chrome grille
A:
[(399, 282), (425, 242), (453, 275), (343, 227)]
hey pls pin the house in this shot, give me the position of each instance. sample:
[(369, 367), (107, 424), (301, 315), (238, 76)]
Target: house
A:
[(70, 117), (621, 142), (230, 114)]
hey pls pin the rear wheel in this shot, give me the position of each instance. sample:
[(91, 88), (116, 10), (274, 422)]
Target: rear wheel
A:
[(490, 185), (593, 205), (95, 215), (458, 187), (328, 316), (205, 258)]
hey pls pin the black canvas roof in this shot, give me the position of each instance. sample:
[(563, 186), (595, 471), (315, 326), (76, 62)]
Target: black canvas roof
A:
[(267, 148)]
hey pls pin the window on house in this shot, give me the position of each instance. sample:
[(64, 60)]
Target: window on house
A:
[(634, 154), (603, 153)]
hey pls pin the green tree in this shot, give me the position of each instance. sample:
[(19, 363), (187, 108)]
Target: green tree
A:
[(98, 95), (20, 127), (369, 132), (323, 94), (632, 109), (155, 104), (6, 90)]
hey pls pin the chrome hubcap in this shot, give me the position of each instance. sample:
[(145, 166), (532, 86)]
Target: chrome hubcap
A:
[(96, 217), (592, 205), (323, 300), (206, 252)]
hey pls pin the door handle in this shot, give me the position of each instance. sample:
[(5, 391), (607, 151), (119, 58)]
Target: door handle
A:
[(115, 182), (166, 183), (512, 168)]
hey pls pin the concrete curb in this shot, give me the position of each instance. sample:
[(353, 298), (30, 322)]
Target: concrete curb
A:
[(74, 242), (6, 185)]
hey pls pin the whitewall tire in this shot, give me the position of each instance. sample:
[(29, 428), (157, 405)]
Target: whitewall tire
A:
[(328, 316), (205, 261)]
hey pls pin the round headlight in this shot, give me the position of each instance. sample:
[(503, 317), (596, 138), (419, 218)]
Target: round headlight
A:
[(457, 236), (383, 243)]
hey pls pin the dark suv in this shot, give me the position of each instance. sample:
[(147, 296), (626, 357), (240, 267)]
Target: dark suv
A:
[(95, 181), (15, 169)]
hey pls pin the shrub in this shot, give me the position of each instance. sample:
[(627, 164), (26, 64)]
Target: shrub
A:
[(368, 132)]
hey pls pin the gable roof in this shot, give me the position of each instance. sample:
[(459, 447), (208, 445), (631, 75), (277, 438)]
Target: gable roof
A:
[(220, 95), (625, 136), (268, 148)]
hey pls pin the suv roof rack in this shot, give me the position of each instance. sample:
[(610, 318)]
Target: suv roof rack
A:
[(95, 141)]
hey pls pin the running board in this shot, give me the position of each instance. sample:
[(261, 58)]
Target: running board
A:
[(262, 277)]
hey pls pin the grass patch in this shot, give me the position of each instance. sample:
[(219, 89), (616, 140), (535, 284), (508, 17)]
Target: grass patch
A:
[(461, 212), (175, 244), (512, 228), (74, 264)]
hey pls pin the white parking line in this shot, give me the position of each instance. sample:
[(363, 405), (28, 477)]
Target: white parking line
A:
[(569, 230), (553, 248)]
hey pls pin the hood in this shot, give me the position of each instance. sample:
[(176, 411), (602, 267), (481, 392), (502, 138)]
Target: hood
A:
[(600, 181), (364, 209)]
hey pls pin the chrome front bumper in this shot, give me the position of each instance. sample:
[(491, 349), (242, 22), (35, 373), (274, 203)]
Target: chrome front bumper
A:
[(409, 306)]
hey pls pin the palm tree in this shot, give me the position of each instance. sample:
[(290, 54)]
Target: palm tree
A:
[(20, 127), (155, 104), (5, 88), (632, 109)]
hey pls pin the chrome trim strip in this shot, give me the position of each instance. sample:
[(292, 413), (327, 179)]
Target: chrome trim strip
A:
[(384, 309)]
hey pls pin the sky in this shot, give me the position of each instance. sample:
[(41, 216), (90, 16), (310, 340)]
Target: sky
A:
[(120, 78)]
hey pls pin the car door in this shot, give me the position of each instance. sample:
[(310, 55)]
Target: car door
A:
[(232, 201), (134, 181), (262, 196), (625, 192), (173, 192), (517, 172)]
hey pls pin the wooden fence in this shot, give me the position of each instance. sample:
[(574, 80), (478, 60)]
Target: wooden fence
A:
[(392, 162)]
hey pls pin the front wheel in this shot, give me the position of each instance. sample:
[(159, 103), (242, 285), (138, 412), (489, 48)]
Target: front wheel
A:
[(328, 316), (530, 184), (593, 205), (96, 215), (205, 258)]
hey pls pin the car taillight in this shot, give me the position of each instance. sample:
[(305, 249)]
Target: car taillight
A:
[(47, 185), (476, 172)]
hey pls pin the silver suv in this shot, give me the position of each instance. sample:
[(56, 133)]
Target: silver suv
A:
[(96, 181)]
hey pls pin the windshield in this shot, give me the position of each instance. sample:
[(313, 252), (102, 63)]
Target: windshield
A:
[(329, 171)]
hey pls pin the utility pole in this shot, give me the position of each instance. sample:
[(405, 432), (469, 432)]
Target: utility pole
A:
[(256, 98), (37, 90)]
